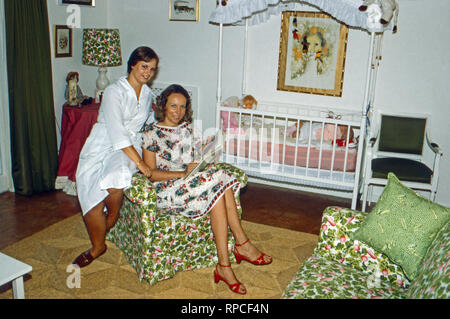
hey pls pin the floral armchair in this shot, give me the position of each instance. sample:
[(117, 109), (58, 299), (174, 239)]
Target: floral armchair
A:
[(158, 244)]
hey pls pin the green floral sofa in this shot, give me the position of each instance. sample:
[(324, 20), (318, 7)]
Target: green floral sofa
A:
[(344, 268), (157, 244)]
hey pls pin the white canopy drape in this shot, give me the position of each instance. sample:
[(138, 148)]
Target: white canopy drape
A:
[(259, 11)]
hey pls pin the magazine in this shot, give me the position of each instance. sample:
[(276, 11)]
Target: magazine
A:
[(210, 152)]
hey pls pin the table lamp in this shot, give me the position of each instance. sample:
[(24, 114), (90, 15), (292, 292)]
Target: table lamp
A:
[(101, 47)]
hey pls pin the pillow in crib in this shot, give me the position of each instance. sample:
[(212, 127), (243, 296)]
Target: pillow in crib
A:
[(402, 225)]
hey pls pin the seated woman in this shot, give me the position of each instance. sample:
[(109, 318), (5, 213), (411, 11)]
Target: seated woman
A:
[(168, 149)]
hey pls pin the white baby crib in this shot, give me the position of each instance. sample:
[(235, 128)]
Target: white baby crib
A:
[(320, 165), (260, 145)]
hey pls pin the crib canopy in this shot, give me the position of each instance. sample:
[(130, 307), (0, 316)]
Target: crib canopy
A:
[(259, 11)]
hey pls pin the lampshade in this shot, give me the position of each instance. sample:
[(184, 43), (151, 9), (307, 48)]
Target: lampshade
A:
[(101, 47)]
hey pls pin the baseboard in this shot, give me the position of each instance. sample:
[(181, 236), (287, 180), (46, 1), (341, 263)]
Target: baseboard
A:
[(5, 184), (321, 191)]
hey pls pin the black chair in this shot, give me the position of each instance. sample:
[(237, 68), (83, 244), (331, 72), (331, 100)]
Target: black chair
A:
[(399, 148)]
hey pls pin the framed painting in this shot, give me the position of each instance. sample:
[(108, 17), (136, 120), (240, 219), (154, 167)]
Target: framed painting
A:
[(183, 10), (312, 53), (63, 41), (80, 2)]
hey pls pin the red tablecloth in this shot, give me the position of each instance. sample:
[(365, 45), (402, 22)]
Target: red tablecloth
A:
[(75, 128)]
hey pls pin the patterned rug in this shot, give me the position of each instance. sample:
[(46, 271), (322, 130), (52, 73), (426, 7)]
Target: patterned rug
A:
[(51, 251)]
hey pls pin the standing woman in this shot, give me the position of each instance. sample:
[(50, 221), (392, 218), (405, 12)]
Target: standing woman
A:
[(112, 152)]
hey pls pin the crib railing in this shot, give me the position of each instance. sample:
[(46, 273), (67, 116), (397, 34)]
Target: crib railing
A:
[(258, 142)]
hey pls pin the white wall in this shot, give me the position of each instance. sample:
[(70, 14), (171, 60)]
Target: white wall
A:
[(413, 75), (187, 50), (415, 71)]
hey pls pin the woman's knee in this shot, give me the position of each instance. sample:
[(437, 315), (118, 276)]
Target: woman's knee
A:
[(95, 213), (229, 199), (115, 191)]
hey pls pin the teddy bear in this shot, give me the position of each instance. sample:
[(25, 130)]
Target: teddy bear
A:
[(388, 8), (249, 102)]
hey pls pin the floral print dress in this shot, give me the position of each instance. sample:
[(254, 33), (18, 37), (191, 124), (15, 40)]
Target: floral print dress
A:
[(175, 148)]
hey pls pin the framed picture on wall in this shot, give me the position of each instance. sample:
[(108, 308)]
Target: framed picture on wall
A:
[(312, 53), (63, 41), (183, 10), (80, 2)]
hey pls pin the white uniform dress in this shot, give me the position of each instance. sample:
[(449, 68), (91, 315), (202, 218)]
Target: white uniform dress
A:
[(102, 163)]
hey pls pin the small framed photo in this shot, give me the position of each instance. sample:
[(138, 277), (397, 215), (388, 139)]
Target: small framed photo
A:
[(63, 41), (183, 10), (80, 2)]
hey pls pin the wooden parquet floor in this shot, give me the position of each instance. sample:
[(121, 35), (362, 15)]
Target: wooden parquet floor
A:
[(22, 216)]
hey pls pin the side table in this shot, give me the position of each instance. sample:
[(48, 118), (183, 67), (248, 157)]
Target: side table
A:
[(76, 125), (13, 270)]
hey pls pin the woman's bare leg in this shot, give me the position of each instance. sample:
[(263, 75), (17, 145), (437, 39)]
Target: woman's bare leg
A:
[(113, 203), (248, 250), (219, 225), (95, 221), (98, 224)]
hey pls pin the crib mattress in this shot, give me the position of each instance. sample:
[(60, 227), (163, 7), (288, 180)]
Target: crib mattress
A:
[(316, 156)]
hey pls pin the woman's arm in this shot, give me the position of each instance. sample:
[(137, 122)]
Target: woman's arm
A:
[(131, 152), (159, 175)]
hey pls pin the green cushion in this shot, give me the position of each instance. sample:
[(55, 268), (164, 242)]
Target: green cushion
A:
[(404, 169), (402, 134), (402, 225)]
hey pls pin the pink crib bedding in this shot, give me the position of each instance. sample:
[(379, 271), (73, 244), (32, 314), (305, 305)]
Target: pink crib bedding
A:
[(316, 158)]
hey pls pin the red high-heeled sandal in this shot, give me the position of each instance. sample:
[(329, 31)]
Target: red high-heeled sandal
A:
[(233, 287), (258, 261)]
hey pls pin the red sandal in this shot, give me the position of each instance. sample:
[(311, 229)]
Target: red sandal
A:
[(233, 287), (259, 261)]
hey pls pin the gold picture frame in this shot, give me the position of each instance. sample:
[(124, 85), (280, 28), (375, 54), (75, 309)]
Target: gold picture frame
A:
[(184, 10), (312, 53), (63, 41)]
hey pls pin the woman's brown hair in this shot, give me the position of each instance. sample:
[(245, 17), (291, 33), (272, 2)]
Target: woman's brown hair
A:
[(141, 54), (161, 101)]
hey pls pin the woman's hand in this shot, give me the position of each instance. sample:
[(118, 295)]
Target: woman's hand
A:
[(144, 168), (190, 167)]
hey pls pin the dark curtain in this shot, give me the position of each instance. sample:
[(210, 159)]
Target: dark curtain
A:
[(33, 134)]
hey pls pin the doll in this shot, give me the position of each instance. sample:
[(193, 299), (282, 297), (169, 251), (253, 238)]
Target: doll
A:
[(73, 94), (248, 102), (328, 132)]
